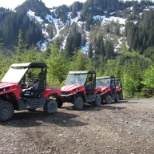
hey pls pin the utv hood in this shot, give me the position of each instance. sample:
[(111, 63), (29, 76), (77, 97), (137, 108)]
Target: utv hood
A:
[(71, 87), (5, 85), (105, 88)]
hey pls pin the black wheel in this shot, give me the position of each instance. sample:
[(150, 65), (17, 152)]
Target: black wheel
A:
[(102, 100), (60, 103), (108, 99), (97, 101), (6, 110), (120, 96), (32, 110), (78, 103), (50, 107), (116, 98)]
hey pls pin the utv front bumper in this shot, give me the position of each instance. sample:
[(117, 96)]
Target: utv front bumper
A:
[(65, 97)]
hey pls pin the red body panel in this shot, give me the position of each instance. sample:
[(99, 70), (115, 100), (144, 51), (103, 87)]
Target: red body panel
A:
[(71, 89), (16, 89), (97, 90), (23, 88), (52, 91), (10, 88), (118, 89), (105, 89)]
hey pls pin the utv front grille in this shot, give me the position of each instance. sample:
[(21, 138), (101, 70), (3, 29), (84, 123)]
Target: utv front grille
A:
[(64, 93), (4, 89)]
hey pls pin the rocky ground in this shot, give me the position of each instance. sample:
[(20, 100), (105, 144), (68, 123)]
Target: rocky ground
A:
[(126, 127)]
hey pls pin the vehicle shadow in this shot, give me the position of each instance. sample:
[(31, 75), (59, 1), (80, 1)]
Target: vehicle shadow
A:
[(39, 118), (122, 101), (93, 108), (61, 118), (127, 100), (109, 107)]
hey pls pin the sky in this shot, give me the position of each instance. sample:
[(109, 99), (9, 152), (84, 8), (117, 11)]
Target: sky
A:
[(11, 4)]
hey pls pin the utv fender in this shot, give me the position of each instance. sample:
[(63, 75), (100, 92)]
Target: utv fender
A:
[(18, 104)]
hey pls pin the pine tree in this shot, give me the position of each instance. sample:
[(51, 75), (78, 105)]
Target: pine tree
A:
[(73, 42), (58, 65), (90, 51), (148, 79), (80, 62), (109, 49), (21, 46)]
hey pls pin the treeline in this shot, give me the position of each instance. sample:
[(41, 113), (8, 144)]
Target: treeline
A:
[(140, 33), (135, 70), (10, 26), (139, 30), (134, 65), (98, 46)]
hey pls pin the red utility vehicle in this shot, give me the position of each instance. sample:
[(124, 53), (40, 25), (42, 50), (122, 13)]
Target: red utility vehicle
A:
[(80, 87), (24, 88), (108, 89), (119, 88)]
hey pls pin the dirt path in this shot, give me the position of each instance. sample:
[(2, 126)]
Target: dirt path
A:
[(126, 127)]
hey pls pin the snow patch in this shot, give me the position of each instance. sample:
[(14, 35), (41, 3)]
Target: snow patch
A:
[(114, 19), (32, 16)]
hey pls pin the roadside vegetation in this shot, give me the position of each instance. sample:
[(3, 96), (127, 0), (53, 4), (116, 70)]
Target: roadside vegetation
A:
[(132, 61), (135, 70)]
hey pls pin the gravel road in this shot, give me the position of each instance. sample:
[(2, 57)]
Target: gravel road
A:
[(126, 127)]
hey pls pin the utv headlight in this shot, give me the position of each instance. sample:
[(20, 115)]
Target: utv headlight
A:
[(75, 90), (104, 91), (5, 89)]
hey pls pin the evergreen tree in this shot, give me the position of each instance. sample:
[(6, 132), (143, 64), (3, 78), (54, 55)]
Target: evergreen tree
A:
[(148, 79), (90, 51), (140, 35), (58, 66), (73, 42), (149, 52), (21, 46), (109, 49), (80, 62), (98, 44)]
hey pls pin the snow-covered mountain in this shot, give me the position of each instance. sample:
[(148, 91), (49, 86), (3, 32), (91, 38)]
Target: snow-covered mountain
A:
[(57, 23), (59, 26)]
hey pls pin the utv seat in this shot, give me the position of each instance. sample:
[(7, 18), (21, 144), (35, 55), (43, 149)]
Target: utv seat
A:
[(35, 91)]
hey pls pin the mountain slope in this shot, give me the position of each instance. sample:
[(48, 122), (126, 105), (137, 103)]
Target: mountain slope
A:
[(77, 26)]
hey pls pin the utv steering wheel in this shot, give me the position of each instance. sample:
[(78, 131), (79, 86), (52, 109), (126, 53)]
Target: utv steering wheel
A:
[(28, 85)]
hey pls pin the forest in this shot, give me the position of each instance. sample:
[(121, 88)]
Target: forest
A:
[(135, 70), (133, 64)]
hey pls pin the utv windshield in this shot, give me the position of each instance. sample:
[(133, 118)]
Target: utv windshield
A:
[(14, 75), (76, 79), (103, 82), (117, 83)]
